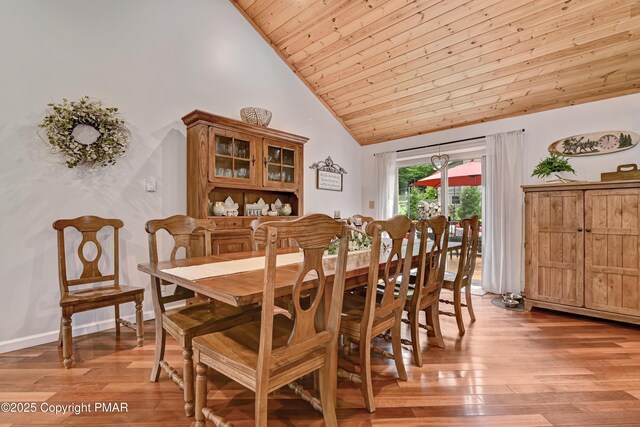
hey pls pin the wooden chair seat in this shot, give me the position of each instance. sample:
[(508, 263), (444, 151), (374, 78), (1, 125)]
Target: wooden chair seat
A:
[(426, 299), (449, 276), (352, 315), (236, 349), (448, 284), (108, 295), (449, 281), (201, 319), (396, 292)]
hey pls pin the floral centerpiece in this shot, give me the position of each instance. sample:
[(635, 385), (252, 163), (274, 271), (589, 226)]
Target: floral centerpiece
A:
[(358, 241)]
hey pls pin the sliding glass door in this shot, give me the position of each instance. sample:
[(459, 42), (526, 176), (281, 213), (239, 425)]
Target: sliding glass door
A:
[(456, 192), (461, 197)]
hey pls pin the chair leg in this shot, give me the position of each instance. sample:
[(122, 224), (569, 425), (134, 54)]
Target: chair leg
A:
[(139, 323), (328, 386), (414, 324), (187, 377), (261, 406), (434, 312), (457, 307), (161, 341), (467, 292), (60, 334), (429, 321), (116, 309), (365, 373), (67, 340), (346, 345), (201, 393), (396, 344)]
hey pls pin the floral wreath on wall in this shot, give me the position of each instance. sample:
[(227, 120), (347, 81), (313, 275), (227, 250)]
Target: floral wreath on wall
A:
[(88, 133)]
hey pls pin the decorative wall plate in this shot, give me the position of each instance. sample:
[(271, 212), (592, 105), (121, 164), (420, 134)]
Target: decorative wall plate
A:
[(591, 144)]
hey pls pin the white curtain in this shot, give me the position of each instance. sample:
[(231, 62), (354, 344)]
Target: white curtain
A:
[(387, 187), (502, 228)]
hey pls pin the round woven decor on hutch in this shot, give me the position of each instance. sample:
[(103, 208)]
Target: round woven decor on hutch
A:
[(255, 116)]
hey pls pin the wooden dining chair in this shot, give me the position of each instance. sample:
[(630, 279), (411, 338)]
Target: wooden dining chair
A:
[(282, 243), (464, 276), (365, 317), (187, 322), (283, 302), (77, 300), (268, 354), (424, 295)]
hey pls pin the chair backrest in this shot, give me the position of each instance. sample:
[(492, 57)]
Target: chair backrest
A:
[(181, 228), (88, 226), (397, 229), (468, 249), (432, 258), (313, 234), (282, 243), (359, 220)]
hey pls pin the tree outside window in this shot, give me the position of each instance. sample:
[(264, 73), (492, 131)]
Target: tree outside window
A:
[(409, 197), (470, 203)]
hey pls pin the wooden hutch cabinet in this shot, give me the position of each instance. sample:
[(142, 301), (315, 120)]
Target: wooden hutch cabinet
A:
[(582, 248), (230, 158)]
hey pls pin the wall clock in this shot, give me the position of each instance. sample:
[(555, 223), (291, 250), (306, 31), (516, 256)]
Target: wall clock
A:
[(590, 144)]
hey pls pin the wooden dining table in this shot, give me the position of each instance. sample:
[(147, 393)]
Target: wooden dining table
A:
[(246, 287)]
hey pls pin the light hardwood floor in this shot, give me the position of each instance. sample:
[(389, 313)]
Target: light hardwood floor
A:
[(509, 369)]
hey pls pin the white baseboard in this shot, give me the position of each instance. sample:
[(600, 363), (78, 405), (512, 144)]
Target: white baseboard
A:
[(78, 330)]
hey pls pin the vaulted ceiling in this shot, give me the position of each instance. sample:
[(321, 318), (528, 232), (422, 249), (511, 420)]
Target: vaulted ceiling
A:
[(389, 69)]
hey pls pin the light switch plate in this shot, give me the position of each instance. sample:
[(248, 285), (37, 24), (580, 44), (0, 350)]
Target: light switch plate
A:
[(372, 204), (150, 185)]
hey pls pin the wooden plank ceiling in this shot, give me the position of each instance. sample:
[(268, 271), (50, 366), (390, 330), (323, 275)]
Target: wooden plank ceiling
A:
[(389, 69)]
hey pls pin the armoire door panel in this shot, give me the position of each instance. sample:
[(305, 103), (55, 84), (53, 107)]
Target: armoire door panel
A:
[(630, 245), (556, 248), (630, 292), (612, 245)]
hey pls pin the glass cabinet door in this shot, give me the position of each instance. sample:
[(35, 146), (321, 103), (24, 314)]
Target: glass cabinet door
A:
[(280, 164), (232, 157)]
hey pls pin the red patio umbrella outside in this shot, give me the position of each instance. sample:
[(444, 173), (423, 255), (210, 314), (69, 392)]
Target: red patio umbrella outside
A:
[(467, 174)]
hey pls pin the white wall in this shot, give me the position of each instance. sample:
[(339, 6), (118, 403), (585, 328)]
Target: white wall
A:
[(156, 60), (541, 129)]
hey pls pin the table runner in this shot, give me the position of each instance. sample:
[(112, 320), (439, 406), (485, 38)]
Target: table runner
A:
[(244, 265), (224, 268)]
